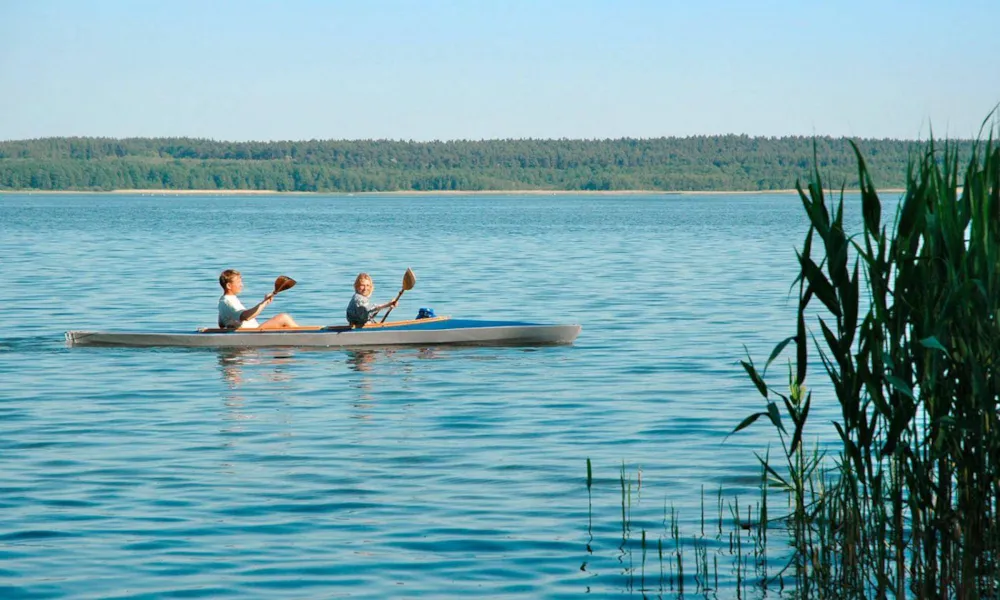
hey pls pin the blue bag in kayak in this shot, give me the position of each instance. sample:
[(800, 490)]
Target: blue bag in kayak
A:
[(426, 313)]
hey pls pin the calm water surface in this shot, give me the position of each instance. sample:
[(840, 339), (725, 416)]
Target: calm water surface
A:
[(413, 472)]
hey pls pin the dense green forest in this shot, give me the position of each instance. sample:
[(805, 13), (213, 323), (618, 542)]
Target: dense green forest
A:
[(717, 163)]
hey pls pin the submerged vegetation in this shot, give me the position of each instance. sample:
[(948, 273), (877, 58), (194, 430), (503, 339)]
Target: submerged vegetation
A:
[(710, 163), (726, 557)]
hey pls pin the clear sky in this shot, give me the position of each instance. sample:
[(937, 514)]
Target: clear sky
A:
[(478, 69)]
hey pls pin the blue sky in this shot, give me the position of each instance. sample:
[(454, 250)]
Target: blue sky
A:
[(472, 69)]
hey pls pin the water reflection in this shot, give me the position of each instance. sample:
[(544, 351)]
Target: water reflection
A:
[(364, 360), (372, 364), (242, 366), (233, 362), (367, 369)]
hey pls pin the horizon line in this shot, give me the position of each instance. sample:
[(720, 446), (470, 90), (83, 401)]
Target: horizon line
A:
[(475, 141)]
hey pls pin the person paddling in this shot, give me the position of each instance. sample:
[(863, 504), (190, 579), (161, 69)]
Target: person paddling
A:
[(360, 310), (232, 313)]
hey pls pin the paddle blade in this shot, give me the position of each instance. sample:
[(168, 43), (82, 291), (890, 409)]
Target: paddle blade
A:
[(409, 280), (283, 283)]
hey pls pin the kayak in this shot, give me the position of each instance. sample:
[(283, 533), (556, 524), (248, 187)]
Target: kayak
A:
[(431, 331)]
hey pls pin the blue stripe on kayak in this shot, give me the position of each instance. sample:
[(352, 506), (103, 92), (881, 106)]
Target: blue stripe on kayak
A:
[(454, 324)]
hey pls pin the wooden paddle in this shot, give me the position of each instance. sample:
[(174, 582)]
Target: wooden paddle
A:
[(281, 284), (409, 280)]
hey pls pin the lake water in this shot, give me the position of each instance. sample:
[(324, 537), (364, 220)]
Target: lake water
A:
[(413, 472)]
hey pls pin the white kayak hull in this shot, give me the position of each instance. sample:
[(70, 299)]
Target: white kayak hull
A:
[(434, 332)]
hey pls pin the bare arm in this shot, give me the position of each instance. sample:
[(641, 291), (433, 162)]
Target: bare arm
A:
[(251, 313), (386, 305)]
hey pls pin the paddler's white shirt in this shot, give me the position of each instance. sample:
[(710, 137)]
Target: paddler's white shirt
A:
[(230, 309)]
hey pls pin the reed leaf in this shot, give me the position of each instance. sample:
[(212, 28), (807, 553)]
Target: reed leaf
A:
[(819, 285), (800, 423), (754, 376), (775, 416), (765, 463), (747, 422), (871, 206), (933, 343), (777, 352)]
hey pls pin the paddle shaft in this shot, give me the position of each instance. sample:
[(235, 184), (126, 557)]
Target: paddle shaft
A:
[(398, 296), (409, 280)]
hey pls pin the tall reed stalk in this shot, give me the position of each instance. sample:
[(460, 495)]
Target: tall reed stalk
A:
[(907, 330)]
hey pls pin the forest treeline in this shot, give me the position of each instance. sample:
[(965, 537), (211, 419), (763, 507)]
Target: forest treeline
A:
[(707, 163)]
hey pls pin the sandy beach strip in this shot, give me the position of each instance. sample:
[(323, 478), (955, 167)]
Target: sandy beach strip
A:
[(158, 192)]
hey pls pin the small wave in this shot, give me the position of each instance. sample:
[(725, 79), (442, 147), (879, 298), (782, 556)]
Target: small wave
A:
[(35, 534), (33, 343)]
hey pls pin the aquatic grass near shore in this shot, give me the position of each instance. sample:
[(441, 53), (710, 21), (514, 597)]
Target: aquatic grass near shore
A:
[(909, 338), (662, 559)]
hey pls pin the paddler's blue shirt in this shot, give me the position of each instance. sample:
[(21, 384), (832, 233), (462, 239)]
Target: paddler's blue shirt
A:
[(360, 310)]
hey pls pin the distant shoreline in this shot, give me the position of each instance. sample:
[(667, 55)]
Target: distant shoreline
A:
[(155, 192)]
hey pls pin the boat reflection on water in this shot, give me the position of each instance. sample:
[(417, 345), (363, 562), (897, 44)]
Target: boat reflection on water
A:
[(244, 367), (364, 359), (234, 361), (363, 362), (240, 367), (256, 381), (394, 362)]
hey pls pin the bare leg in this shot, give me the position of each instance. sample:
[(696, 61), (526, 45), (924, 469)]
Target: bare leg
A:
[(280, 321)]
